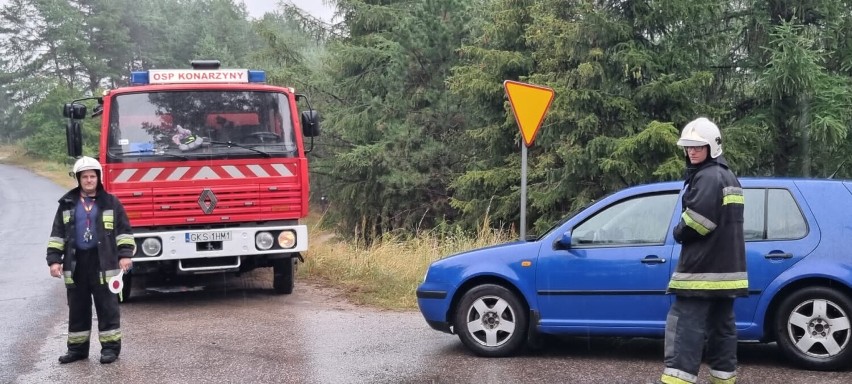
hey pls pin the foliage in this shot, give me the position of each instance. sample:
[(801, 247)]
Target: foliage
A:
[(802, 88), (47, 124), (614, 74), (86, 45), (395, 123), (418, 133)]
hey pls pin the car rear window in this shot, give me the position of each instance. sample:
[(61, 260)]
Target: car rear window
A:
[(772, 214)]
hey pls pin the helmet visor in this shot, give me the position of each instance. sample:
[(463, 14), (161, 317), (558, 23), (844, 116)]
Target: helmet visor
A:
[(691, 143)]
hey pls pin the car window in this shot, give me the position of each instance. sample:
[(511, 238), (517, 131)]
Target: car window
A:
[(754, 213), (639, 220), (772, 214), (784, 219)]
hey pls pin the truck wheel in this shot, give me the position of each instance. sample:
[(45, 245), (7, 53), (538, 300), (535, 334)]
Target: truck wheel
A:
[(813, 328), (283, 276)]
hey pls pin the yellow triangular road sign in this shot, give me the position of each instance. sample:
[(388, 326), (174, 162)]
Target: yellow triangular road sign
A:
[(529, 103)]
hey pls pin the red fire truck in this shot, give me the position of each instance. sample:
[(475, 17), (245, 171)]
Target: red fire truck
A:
[(210, 165)]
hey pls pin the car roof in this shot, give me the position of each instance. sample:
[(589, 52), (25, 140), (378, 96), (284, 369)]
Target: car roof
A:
[(747, 182)]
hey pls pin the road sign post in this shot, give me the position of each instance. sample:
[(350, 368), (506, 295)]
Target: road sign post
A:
[(529, 104)]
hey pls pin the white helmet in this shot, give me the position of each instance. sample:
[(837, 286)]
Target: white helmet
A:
[(701, 132), (86, 163)]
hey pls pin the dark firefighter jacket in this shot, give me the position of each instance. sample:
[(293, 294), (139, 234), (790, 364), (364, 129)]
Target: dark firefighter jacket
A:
[(115, 239), (712, 260)]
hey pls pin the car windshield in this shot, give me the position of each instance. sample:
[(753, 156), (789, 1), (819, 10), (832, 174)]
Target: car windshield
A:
[(175, 126), (564, 219)]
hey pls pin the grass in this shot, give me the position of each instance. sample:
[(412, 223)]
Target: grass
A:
[(56, 172), (384, 274)]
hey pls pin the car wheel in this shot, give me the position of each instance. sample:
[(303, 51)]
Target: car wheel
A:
[(491, 321), (813, 328), (283, 276)]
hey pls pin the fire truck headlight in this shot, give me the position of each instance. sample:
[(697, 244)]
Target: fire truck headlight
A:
[(287, 239), (263, 240), (151, 246)]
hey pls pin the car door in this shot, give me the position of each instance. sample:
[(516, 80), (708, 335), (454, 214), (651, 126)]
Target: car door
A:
[(615, 274), (778, 235)]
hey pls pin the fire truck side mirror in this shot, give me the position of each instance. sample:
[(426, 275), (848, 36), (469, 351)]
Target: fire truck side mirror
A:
[(310, 123), (74, 111), (74, 139)]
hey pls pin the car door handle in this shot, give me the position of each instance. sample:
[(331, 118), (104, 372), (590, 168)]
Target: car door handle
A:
[(778, 255), (653, 260)]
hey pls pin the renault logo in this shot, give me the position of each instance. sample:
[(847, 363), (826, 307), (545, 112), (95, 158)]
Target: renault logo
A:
[(207, 201)]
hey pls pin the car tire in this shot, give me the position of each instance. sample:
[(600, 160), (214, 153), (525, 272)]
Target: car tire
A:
[(813, 329), (491, 321), (283, 276)]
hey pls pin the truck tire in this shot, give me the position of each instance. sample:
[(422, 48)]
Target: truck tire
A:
[(283, 276)]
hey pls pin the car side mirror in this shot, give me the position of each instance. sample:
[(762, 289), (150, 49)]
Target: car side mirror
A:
[(564, 241)]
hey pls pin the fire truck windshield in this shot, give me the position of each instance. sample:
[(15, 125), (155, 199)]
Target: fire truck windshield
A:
[(157, 126)]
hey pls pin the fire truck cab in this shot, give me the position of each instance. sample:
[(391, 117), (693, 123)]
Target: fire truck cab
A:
[(210, 165)]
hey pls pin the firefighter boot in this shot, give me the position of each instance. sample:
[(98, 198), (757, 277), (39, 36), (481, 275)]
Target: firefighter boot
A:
[(70, 357), (108, 357)]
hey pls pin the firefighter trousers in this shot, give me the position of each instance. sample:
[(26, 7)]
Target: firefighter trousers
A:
[(88, 286), (696, 328)]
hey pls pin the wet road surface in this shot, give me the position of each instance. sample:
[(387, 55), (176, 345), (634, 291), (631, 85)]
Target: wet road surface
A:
[(228, 329), (30, 300)]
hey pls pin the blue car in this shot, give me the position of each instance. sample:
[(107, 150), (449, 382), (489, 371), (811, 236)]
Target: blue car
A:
[(604, 272)]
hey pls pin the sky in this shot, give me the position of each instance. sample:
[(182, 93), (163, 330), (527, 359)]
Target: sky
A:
[(316, 8)]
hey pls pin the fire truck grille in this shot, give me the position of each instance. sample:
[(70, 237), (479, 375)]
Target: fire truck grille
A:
[(215, 204)]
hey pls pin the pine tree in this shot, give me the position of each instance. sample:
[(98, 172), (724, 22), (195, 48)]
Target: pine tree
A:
[(395, 124)]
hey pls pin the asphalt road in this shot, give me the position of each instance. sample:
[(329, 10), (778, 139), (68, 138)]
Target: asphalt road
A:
[(218, 329)]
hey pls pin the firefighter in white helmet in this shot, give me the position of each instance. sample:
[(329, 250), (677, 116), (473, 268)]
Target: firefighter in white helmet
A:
[(711, 270), (90, 242)]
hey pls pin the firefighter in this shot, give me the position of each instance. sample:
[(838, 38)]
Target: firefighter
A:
[(711, 270), (90, 242)]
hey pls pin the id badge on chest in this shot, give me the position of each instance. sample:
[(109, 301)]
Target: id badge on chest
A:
[(87, 235)]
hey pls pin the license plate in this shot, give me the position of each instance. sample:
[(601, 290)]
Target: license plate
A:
[(203, 237)]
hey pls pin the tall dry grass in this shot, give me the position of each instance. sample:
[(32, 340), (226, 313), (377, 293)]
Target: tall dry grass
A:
[(384, 274), (56, 172)]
